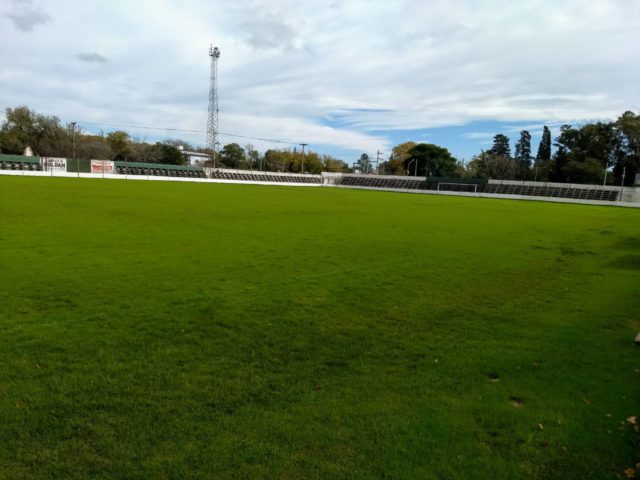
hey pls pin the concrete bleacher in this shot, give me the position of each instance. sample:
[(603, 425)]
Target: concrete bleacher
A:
[(155, 169), (398, 182), (490, 187), (254, 176), (382, 181), (20, 162), (553, 190)]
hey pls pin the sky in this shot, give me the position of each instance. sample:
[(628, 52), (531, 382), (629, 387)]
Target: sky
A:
[(346, 77)]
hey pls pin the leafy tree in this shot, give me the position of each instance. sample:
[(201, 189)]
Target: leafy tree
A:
[(364, 164), (118, 142), (274, 161), (523, 153), (312, 162), (331, 164), (497, 167), (291, 161), (461, 170), (24, 128), (92, 146), (176, 142), (628, 128), (431, 161), (18, 130), (399, 155), (500, 146), (168, 154), (581, 150), (588, 170), (253, 157), (232, 155), (604, 143), (565, 143)]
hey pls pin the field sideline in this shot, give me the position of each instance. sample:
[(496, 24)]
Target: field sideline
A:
[(185, 330)]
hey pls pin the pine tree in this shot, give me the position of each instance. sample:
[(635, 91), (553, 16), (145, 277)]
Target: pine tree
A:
[(500, 146), (543, 159), (523, 153), (544, 150)]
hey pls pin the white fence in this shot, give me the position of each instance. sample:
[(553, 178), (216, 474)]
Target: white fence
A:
[(53, 173)]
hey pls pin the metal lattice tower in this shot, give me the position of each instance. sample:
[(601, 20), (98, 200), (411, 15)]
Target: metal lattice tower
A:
[(212, 121)]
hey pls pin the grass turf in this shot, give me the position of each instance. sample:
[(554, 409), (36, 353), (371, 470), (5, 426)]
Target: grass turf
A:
[(170, 330)]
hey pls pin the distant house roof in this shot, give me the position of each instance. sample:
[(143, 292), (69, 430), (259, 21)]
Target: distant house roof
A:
[(189, 153), (195, 154)]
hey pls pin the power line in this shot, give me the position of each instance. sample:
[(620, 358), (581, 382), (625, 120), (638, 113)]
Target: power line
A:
[(183, 130), (146, 127)]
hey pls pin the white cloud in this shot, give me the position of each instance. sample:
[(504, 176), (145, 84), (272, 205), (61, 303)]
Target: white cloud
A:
[(91, 57), (478, 135), (323, 73), (269, 31), (25, 16)]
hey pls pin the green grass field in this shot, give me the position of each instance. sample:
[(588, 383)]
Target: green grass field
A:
[(153, 330)]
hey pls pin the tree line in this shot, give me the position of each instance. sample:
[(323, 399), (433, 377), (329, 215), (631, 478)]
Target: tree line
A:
[(598, 152), (47, 136), (233, 155), (593, 153)]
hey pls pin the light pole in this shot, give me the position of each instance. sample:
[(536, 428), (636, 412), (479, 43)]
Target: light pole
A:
[(548, 168), (536, 177), (302, 167), (73, 142), (409, 167)]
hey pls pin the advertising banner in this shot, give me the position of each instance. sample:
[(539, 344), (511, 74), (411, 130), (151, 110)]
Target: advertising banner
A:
[(52, 164), (103, 166)]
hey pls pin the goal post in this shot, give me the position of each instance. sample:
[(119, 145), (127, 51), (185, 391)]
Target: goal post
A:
[(457, 187)]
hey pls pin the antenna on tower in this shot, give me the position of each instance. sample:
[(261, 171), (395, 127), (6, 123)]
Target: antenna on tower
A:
[(212, 120)]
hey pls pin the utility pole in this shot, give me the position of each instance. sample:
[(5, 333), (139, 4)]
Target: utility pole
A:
[(378, 161), (548, 167), (303, 145), (73, 142), (212, 119), (249, 148), (624, 173)]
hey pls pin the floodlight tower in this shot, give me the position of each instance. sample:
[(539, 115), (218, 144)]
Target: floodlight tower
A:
[(212, 121)]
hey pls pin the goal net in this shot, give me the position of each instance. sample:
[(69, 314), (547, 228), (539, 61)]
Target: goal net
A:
[(457, 187)]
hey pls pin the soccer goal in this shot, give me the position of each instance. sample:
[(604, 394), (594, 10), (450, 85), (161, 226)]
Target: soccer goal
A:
[(457, 187)]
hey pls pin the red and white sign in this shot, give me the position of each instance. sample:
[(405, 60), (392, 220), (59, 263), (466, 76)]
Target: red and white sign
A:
[(52, 164), (103, 166)]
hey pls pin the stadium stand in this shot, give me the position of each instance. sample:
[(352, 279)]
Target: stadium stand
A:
[(554, 190), (19, 162), (156, 169), (257, 176), (383, 181), (576, 192), (572, 191)]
